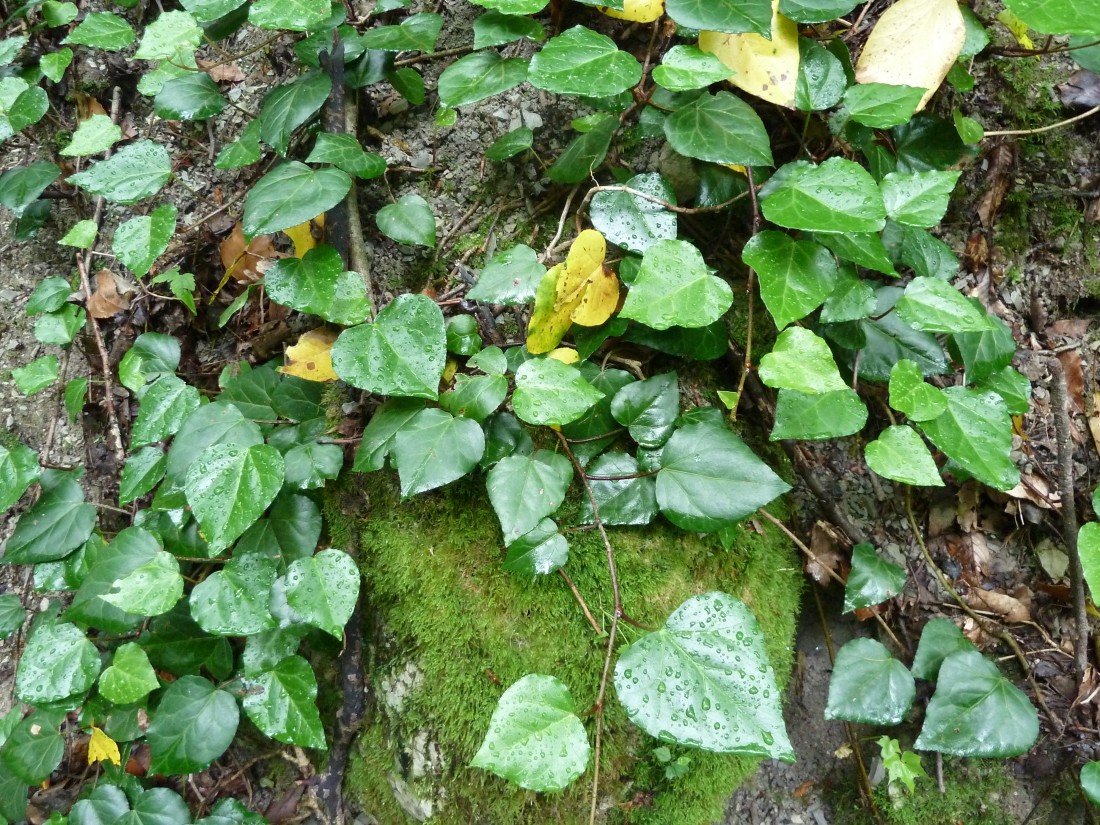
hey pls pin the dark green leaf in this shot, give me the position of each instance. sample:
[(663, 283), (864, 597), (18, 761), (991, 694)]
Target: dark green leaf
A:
[(598, 421), (888, 339), (292, 15), (525, 489), (18, 470), (938, 639), (103, 804), (195, 96), (835, 196), (417, 33), (130, 678), (581, 62), (632, 222), (872, 581), (281, 703), (131, 548), (985, 353), (152, 355), (648, 409), (478, 76), (131, 174), (976, 433), (21, 186), (704, 680), (20, 105), (49, 296), (833, 414), (12, 614), (291, 194), (377, 441), (206, 11), (310, 465), (58, 524), (869, 685), (475, 397), (409, 221), (795, 276), (495, 29), (58, 662), (193, 725), (158, 806), (176, 644), (345, 152), (539, 552), (621, 500), (880, 105), (821, 79), (864, 249), (229, 486), (509, 278), (317, 284), (852, 299), (927, 143), (323, 589), (731, 16), (585, 152), (289, 106), (719, 128), (435, 448), (35, 747), (815, 11), (1057, 16)]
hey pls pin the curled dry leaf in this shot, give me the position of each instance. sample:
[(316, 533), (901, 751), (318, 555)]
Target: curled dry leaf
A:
[(1012, 609), (914, 43), (223, 72), (246, 263), (825, 543), (107, 300)]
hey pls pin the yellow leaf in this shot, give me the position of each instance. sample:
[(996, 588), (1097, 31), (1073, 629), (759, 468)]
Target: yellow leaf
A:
[(303, 235), (565, 355), (637, 11), (311, 357), (587, 288), (1018, 28), (548, 323), (102, 748), (914, 43), (449, 371), (761, 67)]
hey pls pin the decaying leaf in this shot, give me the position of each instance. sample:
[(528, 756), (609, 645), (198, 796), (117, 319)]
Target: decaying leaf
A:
[(1081, 90), (305, 235), (106, 301), (311, 357), (223, 72), (761, 67), (86, 106), (637, 11), (1012, 609), (914, 43), (565, 355), (246, 262), (1017, 27), (102, 748), (825, 543)]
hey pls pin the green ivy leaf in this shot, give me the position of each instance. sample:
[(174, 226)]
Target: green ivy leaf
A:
[(539, 552), (152, 355), (309, 466), (289, 106), (82, 235), (158, 806), (195, 96), (586, 151), (719, 128), (985, 353), (675, 287), (632, 222), (12, 614), (795, 276), (932, 305), (105, 565), (910, 394), (835, 196), (598, 421), (509, 278), (549, 392), (59, 328), (525, 489), (104, 803), (21, 186), (704, 680), (863, 249), (977, 712), (345, 152), (535, 738), (476, 397), (886, 339), (709, 479), (323, 589), (34, 748), (207, 11), (881, 105), (1090, 782), (478, 76), (833, 414), (649, 409), (20, 105), (512, 7), (102, 30), (938, 639), (37, 375), (976, 433), (264, 651), (131, 174), (10, 48), (243, 151), (801, 361), (290, 531), (510, 144), (732, 16), (57, 524), (821, 77), (281, 703), (918, 199), (378, 436), (581, 62), (130, 678), (872, 580), (193, 725), (49, 296), (852, 299), (409, 221), (416, 33), (176, 644), (1013, 387), (292, 15), (435, 448), (18, 471), (297, 399), (900, 454), (1057, 16), (164, 407), (139, 241), (96, 134), (495, 28), (621, 501), (869, 685), (229, 486), (150, 590), (291, 194), (402, 353), (172, 33), (317, 284), (685, 68), (1088, 537), (57, 663), (815, 11), (235, 601)]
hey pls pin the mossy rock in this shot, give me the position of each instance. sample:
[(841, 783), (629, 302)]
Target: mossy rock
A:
[(450, 630)]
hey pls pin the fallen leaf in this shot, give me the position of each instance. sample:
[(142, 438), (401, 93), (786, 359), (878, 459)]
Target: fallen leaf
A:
[(1094, 421), (1053, 559), (305, 235), (1075, 379), (86, 106), (1009, 608), (1037, 490), (244, 262), (827, 560), (997, 166), (637, 11), (311, 357), (765, 68), (106, 301), (1070, 327), (1081, 90), (223, 72), (1017, 28), (565, 355), (102, 748), (914, 43)]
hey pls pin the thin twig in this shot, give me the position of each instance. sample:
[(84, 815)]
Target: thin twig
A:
[(581, 602), (561, 224), (358, 258), (421, 58), (671, 207), (1047, 128), (750, 293), (105, 362), (1060, 410)]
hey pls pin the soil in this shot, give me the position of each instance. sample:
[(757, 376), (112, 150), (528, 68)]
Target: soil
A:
[(1038, 271)]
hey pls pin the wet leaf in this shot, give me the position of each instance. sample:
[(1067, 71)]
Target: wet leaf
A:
[(766, 67), (918, 199), (57, 663), (236, 600), (525, 489), (94, 135), (166, 404), (292, 15), (621, 501), (550, 392), (632, 222), (509, 278), (933, 305), (539, 552), (581, 62), (833, 414), (193, 725), (281, 702), (976, 433), (345, 152), (317, 284), (684, 68), (900, 454), (230, 486), (416, 33), (872, 580), (102, 748), (435, 448), (869, 685), (102, 30), (800, 361), (675, 287), (910, 394), (131, 174), (719, 128), (478, 76), (311, 357), (648, 409), (835, 196), (409, 221), (34, 748), (722, 15), (130, 678), (881, 105), (323, 589), (57, 524), (287, 107), (795, 276), (289, 195), (18, 470)]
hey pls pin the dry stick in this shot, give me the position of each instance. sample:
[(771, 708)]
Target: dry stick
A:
[(1047, 128), (801, 545), (986, 624), (1060, 409), (581, 602), (671, 207), (561, 224), (750, 290), (412, 61), (358, 259)]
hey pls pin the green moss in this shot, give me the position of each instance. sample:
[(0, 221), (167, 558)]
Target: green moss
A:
[(441, 601)]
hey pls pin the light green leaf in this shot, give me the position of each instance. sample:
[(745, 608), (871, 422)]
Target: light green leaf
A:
[(243, 151), (832, 414), (100, 566), (10, 48), (49, 296), (57, 524), (977, 712), (58, 662), (495, 28), (60, 327), (94, 135), (81, 235), (550, 392), (140, 241), (684, 68), (76, 393), (152, 355), (292, 15), (478, 76), (21, 186), (291, 194), (675, 287), (192, 726), (20, 105), (976, 433), (435, 448), (172, 33), (732, 16), (880, 105), (910, 394), (323, 589), (377, 441), (236, 600), (1090, 782), (1012, 386), (632, 222), (525, 489), (195, 96), (409, 221), (801, 361), (230, 486), (164, 407), (535, 738), (289, 106), (509, 278), (869, 685), (581, 62), (815, 11), (133, 173), (900, 454), (402, 353), (1057, 16), (512, 6), (704, 680), (539, 552), (345, 152), (821, 77), (649, 409), (475, 397), (719, 128), (37, 375), (872, 580), (510, 144), (918, 199), (281, 703), (795, 276), (709, 479), (1088, 539), (932, 305), (102, 30), (207, 11), (18, 471), (310, 465), (416, 33), (317, 284), (12, 616), (149, 590), (130, 678), (835, 196)]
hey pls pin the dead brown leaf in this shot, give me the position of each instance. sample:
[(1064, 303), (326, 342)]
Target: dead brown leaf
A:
[(827, 561), (1036, 489), (998, 170), (1081, 90), (224, 72), (106, 301), (86, 106), (1010, 608), (1070, 327), (1075, 378), (246, 264)]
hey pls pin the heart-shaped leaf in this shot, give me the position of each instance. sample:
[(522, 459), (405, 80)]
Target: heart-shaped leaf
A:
[(719, 128), (193, 725), (836, 196), (632, 222), (539, 552), (648, 408), (511, 277), (139, 241), (58, 662), (478, 76), (131, 174), (976, 432), (795, 276), (317, 284), (291, 194), (435, 448), (901, 455), (323, 589), (581, 62), (409, 221), (550, 392), (18, 470), (58, 524), (622, 493), (918, 199), (675, 287), (525, 489), (800, 361), (236, 600), (281, 702), (910, 394), (872, 580), (230, 486), (832, 414), (939, 638), (130, 678), (869, 685), (722, 15)]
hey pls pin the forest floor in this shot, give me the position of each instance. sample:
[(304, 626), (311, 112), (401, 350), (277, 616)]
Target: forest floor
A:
[(1027, 227)]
